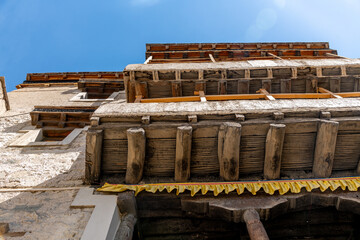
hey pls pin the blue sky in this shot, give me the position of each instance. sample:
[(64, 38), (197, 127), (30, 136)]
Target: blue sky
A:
[(94, 35)]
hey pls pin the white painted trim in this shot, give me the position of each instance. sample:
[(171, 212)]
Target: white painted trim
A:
[(32, 138), (82, 97), (105, 219)]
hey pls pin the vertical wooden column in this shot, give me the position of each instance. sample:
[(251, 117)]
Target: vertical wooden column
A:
[(4, 93), (254, 226), (229, 150), (94, 139), (325, 148), (183, 153), (273, 151), (127, 206), (136, 155)]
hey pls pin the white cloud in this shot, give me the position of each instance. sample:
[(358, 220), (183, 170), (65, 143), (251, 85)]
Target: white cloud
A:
[(144, 2)]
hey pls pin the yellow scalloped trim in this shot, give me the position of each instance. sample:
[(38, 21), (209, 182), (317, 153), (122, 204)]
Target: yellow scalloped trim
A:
[(269, 187)]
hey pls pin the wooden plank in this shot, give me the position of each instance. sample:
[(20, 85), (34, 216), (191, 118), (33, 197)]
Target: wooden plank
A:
[(325, 148), (183, 153), (94, 139), (229, 150), (273, 151), (136, 155)]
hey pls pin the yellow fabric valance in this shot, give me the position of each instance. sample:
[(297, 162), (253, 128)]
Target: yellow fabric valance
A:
[(269, 187)]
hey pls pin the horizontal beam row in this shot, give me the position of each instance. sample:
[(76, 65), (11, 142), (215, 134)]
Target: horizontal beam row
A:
[(37, 77), (235, 46), (221, 55), (228, 152), (252, 73)]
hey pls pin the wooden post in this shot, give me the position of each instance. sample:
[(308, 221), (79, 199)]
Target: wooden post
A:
[(128, 209), (325, 148), (273, 151), (254, 226), (229, 150), (4, 93), (94, 139), (136, 155), (183, 153)]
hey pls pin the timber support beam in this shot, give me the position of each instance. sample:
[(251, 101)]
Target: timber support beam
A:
[(254, 226), (229, 150), (136, 155), (183, 153), (94, 141), (273, 151), (325, 148)]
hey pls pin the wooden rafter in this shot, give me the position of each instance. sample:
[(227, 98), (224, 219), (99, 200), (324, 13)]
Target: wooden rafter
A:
[(268, 96), (323, 90)]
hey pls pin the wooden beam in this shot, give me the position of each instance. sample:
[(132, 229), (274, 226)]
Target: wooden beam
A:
[(273, 55), (148, 60), (273, 151), (183, 153), (334, 55), (285, 85), (323, 90), (212, 58), (202, 96), (229, 150), (176, 89), (94, 139), (325, 148), (136, 155), (267, 94), (4, 93), (243, 86), (254, 226)]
